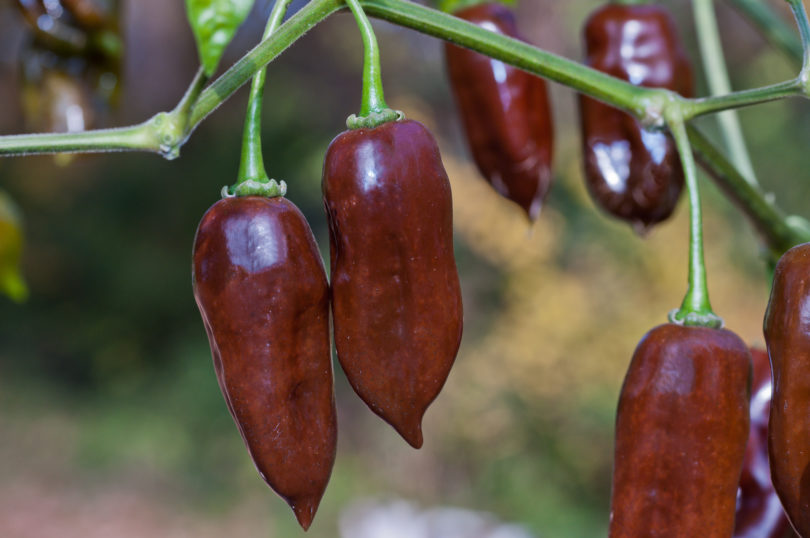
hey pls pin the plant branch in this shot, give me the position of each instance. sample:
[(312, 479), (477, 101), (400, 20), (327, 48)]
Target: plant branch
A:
[(769, 220), (716, 72), (772, 26)]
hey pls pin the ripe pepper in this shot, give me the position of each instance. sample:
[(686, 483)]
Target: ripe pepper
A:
[(759, 511), (633, 173), (261, 288), (787, 335), (396, 299), (681, 429), (506, 114)]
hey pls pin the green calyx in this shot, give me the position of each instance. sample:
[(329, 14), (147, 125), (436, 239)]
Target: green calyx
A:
[(696, 319), (269, 188), (375, 118)]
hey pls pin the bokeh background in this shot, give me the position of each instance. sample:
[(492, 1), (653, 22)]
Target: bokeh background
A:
[(111, 421)]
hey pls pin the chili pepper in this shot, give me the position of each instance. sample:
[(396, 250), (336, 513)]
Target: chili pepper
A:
[(261, 288), (396, 300), (759, 511), (506, 114), (633, 173), (787, 335), (681, 429)]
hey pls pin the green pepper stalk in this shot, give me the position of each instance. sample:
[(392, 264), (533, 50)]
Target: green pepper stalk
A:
[(373, 110), (696, 309), (253, 179)]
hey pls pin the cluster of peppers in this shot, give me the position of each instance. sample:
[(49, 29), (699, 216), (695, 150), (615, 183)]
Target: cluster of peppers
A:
[(687, 425)]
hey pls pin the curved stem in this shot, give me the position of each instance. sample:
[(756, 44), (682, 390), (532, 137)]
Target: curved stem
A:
[(373, 100), (797, 6), (696, 308), (775, 30), (714, 67), (251, 166)]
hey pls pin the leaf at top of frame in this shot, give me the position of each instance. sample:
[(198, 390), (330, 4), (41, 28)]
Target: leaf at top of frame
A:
[(214, 23)]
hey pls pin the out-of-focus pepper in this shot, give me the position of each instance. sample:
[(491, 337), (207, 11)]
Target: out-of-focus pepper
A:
[(261, 288), (71, 67), (506, 114), (11, 244), (633, 173), (787, 335), (681, 429), (396, 299), (759, 511)]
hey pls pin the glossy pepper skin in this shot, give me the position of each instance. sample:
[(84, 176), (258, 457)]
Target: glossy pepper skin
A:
[(506, 114), (681, 429), (261, 288), (396, 299), (634, 174), (787, 335), (759, 511)]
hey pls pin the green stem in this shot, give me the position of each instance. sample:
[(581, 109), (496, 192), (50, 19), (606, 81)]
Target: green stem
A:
[(771, 25), (696, 308), (140, 137), (709, 105), (776, 228), (252, 179), (800, 14), (714, 67), (372, 100)]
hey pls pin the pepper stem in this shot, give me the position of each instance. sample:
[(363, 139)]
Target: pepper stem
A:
[(696, 309), (373, 110), (797, 6), (252, 179)]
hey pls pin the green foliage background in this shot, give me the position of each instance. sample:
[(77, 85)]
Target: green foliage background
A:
[(110, 416)]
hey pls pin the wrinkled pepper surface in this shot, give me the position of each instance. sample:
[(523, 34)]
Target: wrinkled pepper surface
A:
[(262, 291), (633, 173), (759, 511), (506, 114), (787, 335), (681, 429), (396, 299)]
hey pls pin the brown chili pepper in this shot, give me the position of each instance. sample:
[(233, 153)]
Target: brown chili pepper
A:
[(396, 299), (506, 114), (787, 335), (633, 173), (759, 511), (261, 288), (681, 428)]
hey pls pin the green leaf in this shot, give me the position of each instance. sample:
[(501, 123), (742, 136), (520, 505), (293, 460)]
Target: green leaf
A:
[(11, 243), (214, 23)]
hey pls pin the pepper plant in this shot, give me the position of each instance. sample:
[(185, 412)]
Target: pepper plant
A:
[(397, 293)]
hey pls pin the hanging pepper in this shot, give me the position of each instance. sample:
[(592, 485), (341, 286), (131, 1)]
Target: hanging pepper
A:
[(759, 511), (787, 335), (506, 114), (396, 299), (261, 288), (633, 173), (681, 428)]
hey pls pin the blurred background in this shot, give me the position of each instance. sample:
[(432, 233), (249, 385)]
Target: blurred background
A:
[(111, 421)]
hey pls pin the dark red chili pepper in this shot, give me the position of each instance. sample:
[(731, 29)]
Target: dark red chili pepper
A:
[(261, 288), (506, 114), (633, 173), (681, 428), (396, 299), (759, 511), (787, 334)]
